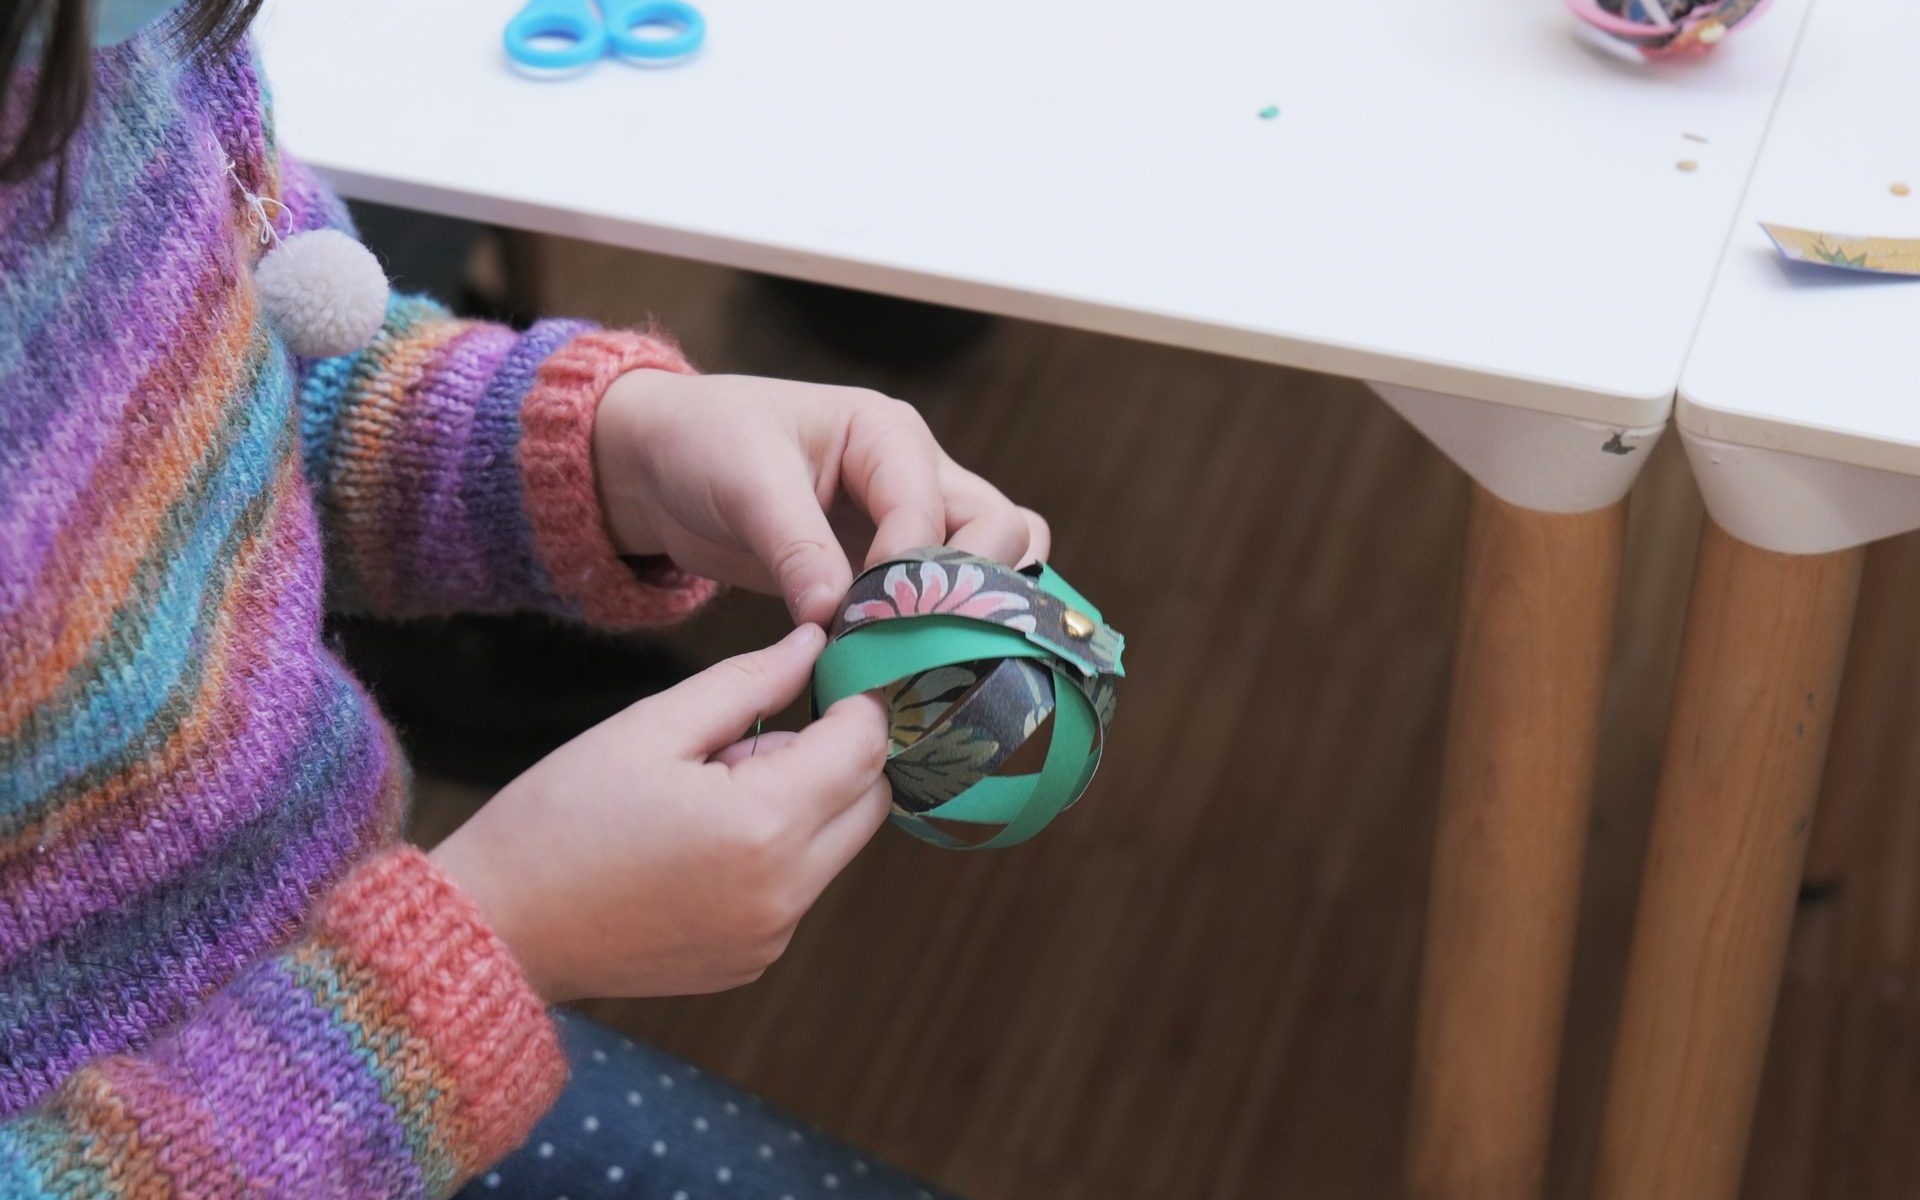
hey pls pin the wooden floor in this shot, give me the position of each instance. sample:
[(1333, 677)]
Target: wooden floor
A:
[(1200, 983)]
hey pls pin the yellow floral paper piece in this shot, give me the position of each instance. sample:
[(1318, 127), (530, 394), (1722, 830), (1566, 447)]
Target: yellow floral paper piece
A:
[(1878, 255)]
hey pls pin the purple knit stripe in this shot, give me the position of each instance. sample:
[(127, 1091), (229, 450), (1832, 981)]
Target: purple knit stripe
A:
[(29, 205), (147, 300), (491, 492), (162, 959), (309, 204), (155, 180), (143, 64), (426, 531), (323, 1129), (95, 389), (134, 299), (130, 108), (275, 680), (227, 93), (162, 198)]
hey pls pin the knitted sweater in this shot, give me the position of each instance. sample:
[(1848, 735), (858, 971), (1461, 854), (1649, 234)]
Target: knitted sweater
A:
[(219, 973)]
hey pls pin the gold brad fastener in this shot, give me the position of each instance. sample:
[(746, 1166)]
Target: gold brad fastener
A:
[(1078, 624)]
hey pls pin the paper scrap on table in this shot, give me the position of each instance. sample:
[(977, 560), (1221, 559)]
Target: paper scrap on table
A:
[(1875, 255)]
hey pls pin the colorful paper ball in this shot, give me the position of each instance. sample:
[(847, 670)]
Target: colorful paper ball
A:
[(975, 657), (1659, 28)]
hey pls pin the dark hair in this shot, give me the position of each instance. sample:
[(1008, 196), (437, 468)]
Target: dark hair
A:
[(57, 102)]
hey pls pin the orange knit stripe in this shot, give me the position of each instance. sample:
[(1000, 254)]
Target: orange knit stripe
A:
[(114, 1137), (176, 1130)]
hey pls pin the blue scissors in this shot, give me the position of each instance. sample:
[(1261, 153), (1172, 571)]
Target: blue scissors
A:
[(564, 36)]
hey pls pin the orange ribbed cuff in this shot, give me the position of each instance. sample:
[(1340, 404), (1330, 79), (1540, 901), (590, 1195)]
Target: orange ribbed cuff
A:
[(563, 503), (397, 917)]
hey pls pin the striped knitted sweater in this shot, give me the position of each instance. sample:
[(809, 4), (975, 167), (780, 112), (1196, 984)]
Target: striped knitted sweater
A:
[(219, 973)]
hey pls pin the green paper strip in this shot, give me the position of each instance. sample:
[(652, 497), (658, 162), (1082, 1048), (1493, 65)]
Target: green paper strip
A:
[(1051, 581), (890, 650)]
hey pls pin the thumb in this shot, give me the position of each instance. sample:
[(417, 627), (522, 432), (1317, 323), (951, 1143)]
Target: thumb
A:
[(828, 765), (700, 715), (752, 744)]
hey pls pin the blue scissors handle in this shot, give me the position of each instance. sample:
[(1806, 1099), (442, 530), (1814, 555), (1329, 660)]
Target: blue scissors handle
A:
[(556, 35), (684, 28)]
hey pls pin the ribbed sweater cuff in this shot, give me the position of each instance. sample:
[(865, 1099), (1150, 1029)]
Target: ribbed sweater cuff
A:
[(399, 919), (563, 503)]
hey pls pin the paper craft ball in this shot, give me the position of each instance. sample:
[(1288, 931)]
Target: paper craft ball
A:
[(977, 661), (1662, 28)]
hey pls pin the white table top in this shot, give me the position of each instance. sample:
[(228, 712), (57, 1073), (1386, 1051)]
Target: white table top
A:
[(1806, 358), (1464, 197)]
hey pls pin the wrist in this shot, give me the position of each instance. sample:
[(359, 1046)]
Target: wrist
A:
[(627, 421), (463, 862)]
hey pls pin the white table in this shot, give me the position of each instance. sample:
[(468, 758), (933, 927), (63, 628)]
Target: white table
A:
[(1808, 362), (1457, 197), (1463, 203), (1800, 410)]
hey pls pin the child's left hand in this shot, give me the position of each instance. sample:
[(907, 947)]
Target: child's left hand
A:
[(734, 478)]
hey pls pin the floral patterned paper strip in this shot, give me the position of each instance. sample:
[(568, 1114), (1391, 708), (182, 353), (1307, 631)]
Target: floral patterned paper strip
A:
[(953, 583), (1874, 255)]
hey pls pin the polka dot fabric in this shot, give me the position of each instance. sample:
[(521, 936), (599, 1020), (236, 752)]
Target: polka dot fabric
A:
[(637, 1124)]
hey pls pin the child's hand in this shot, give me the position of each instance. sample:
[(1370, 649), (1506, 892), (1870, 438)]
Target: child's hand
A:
[(733, 477), (649, 857)]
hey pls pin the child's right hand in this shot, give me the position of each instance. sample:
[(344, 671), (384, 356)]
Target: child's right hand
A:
[(649, 857)]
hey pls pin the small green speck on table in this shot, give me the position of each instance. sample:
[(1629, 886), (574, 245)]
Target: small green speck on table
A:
[(1269, 112)]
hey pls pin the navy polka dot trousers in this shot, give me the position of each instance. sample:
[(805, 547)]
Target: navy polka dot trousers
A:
[(637, 1124)]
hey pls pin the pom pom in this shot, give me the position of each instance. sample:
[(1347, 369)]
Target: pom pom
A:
[(1662, 28), (975, 658), (324, 292)]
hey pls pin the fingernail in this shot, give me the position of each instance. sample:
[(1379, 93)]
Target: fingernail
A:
[(801, 635)]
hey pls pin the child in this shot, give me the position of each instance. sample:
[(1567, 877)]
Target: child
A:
[(220, 973)]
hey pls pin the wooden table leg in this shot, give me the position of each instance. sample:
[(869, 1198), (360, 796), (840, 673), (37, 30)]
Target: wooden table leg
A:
[(1760, 670), (1529, 677), (1875, 658)]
